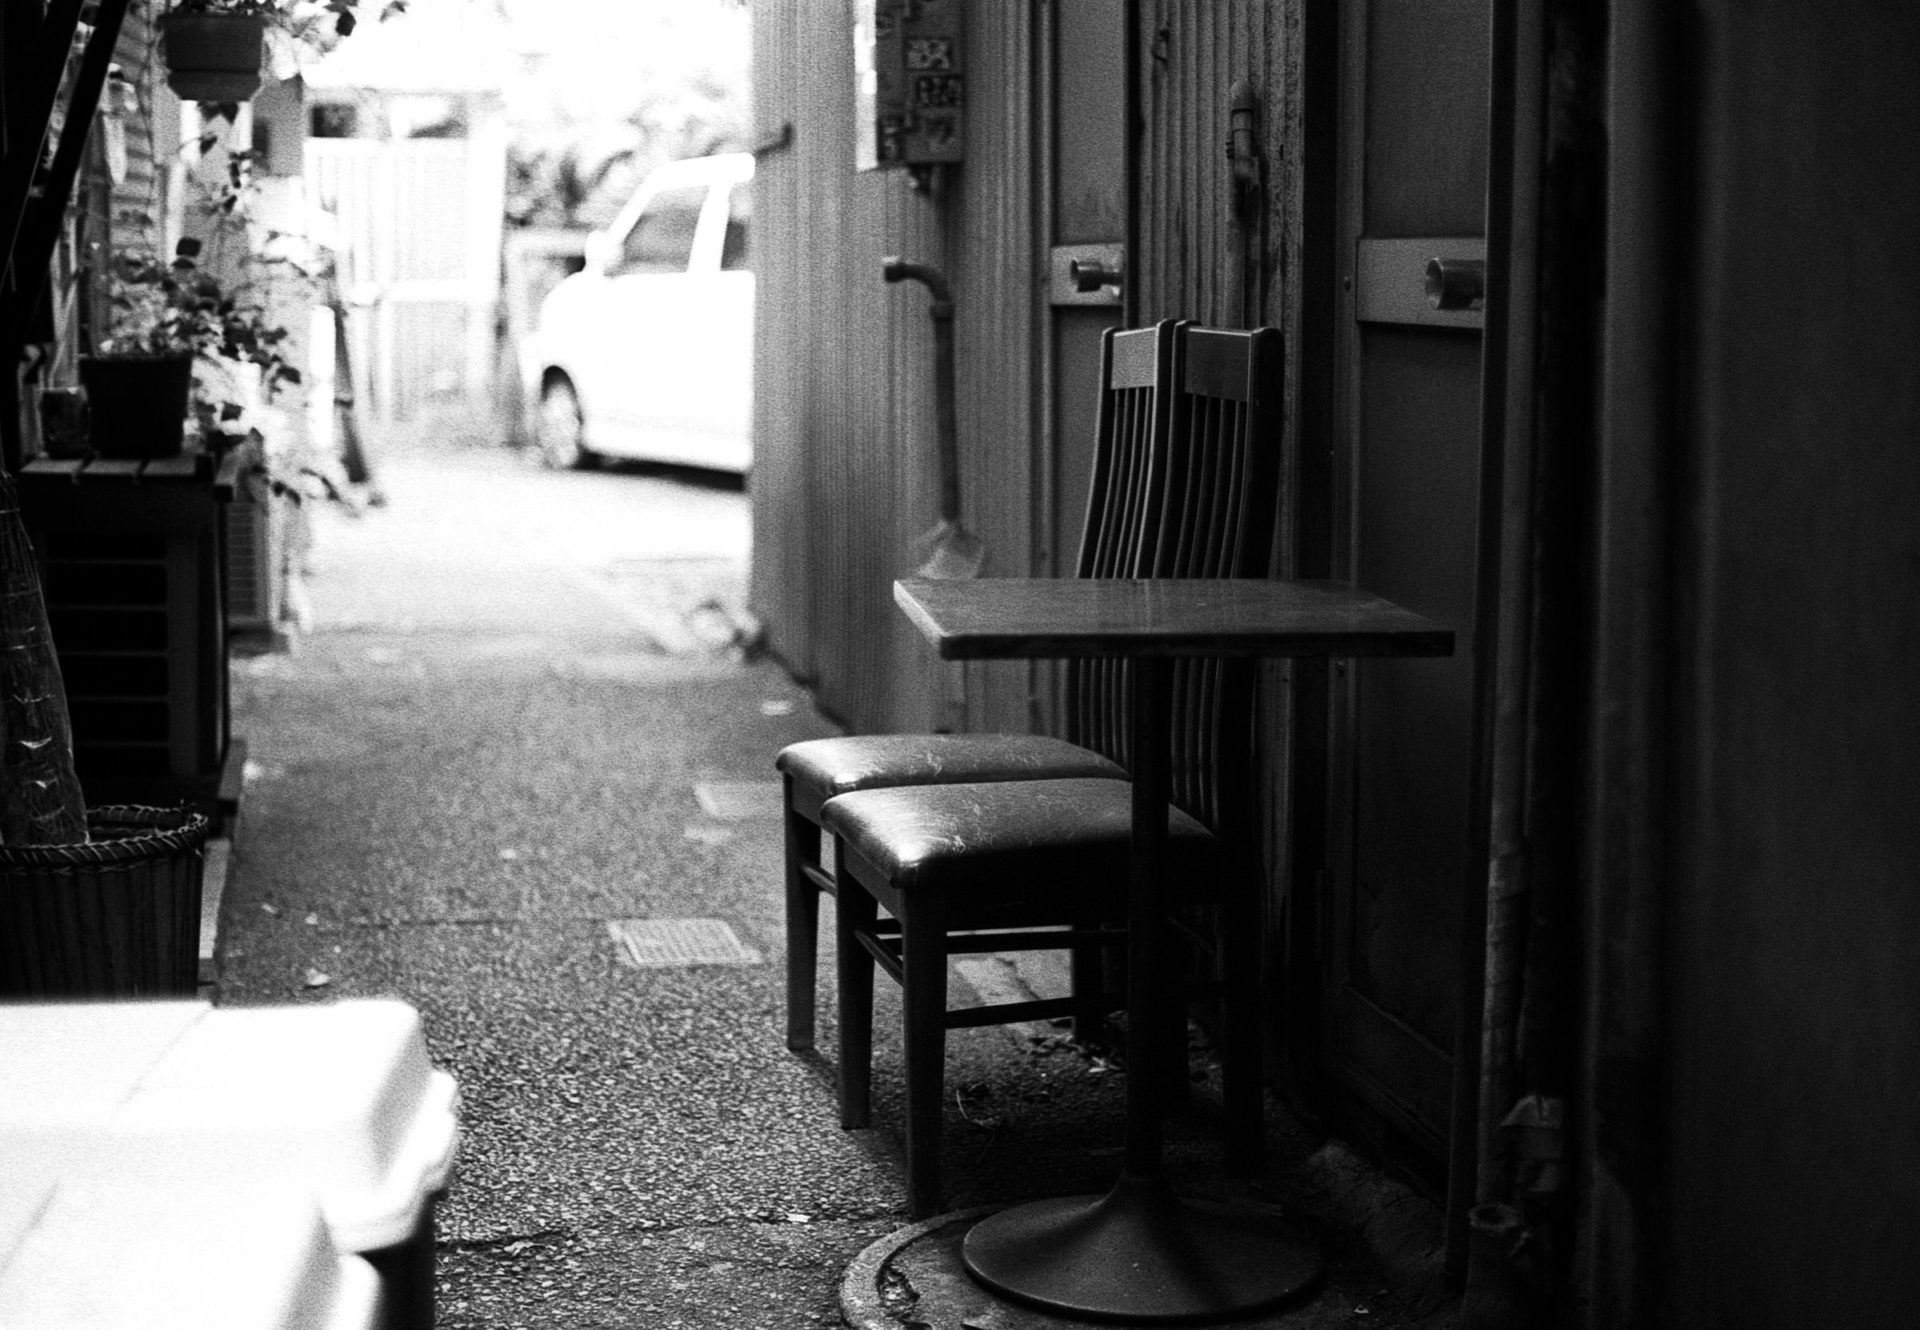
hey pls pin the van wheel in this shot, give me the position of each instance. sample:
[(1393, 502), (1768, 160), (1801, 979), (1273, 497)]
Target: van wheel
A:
[(560, 429)]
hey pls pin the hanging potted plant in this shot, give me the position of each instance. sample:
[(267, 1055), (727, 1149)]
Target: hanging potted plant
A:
[(213, 49)]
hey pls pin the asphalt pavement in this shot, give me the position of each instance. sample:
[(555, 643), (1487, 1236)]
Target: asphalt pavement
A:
[(516, 769)]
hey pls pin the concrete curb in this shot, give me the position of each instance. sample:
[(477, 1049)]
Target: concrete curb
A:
[(862, 1304), (217, 870)]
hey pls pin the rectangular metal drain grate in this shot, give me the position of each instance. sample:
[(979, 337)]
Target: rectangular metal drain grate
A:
[(653, 943), (736, 800)]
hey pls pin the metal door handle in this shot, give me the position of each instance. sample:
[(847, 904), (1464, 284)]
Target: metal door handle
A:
[(1085, 274), (1456, 283), (1090, 274)]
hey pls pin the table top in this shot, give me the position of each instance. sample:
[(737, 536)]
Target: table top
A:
[(1018, 617)]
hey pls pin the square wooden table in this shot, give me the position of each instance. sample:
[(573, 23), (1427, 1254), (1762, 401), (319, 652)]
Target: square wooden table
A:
[(1142, 1253)]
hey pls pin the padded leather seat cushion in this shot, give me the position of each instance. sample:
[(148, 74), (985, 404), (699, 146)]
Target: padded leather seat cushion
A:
[(874, 761), (953, 835)]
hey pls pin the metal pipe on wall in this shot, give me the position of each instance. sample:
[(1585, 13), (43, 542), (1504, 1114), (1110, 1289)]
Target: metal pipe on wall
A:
[(1545, 211), (1490, 996), (1481, 944)]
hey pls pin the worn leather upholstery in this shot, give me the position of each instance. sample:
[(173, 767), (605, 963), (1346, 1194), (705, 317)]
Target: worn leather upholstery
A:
[(955, 836), (833, 767), (818, 770)]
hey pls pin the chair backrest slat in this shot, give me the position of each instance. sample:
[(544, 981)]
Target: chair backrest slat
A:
[(1126, 491), (1233, 380), (1186, 484), (1187, 467)]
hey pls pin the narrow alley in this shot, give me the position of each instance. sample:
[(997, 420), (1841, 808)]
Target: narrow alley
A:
[(498, 736), (515, 721), (1287, 530)]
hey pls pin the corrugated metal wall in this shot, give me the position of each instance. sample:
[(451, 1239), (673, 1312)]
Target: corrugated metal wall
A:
[(1194, 260), (129, 213), (150, 136), (1191, 56), (998, 270), (843, 416), (843, 406)]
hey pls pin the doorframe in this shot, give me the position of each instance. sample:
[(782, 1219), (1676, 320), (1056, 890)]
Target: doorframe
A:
[(1332, 112), (1314, 302), (1044, 482), (1625, 852), (1046, 542), (1404, 1143)]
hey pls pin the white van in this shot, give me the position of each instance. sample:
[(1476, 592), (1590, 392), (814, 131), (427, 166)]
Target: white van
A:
[(648, 351)]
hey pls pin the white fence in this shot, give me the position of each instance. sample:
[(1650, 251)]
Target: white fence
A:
[(419, 227)]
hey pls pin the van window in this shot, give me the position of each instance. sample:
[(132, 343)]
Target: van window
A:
[(662, 238), (734, 254)]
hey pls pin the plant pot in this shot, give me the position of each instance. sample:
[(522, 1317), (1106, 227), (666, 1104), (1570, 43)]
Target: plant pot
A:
[(137, 404), (213, 57), (63, 422), (116, 917)]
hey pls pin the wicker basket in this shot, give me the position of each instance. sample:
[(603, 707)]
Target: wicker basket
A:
[(116, 917)]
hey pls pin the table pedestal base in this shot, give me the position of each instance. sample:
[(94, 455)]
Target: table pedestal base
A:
[(1140, 1253)]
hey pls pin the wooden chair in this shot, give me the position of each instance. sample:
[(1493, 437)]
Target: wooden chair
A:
[(1024, 858), (1131, 422)]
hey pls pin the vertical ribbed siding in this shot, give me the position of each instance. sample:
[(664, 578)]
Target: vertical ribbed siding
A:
[(825, 484), (997, 267), (844, 413), (140, 194), (1191, 56), (781, 563), (844, 410), (1189, 265), (129, 215)]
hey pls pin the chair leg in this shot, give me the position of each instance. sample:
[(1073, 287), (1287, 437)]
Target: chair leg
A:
[(853, 910), (924, 965), (1241, 1091), (803, 929)]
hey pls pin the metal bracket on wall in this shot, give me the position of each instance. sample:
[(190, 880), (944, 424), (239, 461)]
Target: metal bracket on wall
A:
[(1390, 280), (1086, 274), (778, 141), (1243, 153)]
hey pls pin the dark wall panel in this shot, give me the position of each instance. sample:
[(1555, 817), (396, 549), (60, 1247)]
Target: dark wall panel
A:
[(1796, 1062)]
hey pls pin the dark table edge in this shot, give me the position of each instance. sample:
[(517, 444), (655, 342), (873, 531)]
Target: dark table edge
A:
[(1434, 641), (982, 646)]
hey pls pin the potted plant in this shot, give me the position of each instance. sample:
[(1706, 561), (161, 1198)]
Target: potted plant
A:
[(105, 901), (213, 48), (141, 369), (162, 319)]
